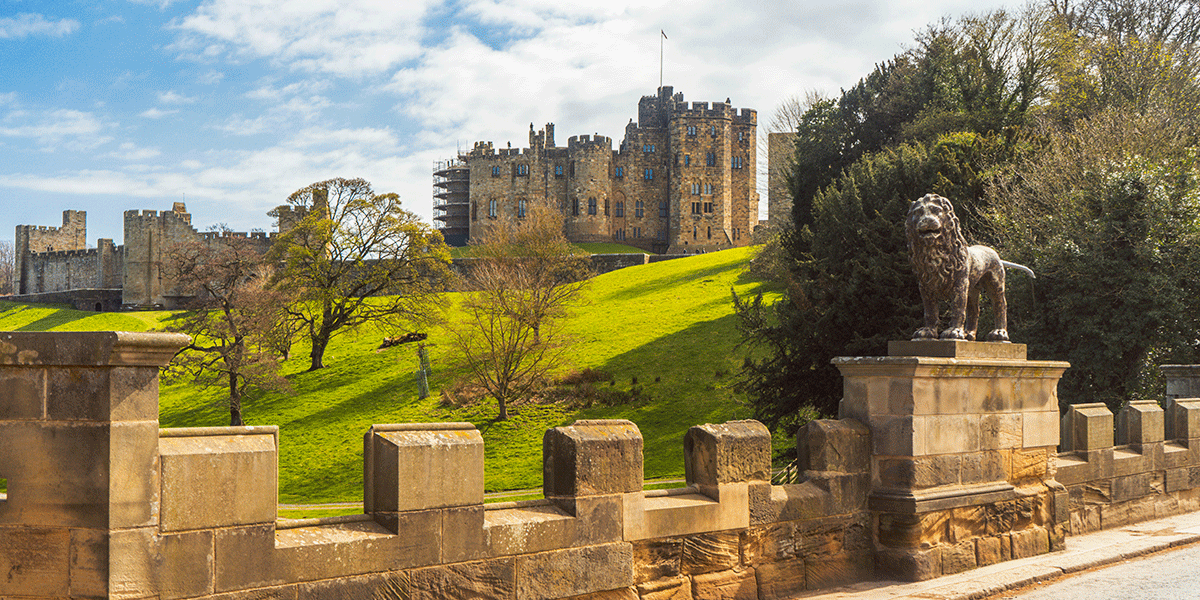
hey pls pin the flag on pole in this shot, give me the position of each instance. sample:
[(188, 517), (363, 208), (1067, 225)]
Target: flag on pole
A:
[(664, 34)]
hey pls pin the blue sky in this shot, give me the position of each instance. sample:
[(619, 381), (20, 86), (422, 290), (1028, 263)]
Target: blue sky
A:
[(230, 105)]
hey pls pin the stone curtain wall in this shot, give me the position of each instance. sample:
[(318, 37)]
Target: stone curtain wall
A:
[(1149, 469)]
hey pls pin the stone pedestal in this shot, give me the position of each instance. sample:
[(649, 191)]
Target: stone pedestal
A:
[(963, 434)]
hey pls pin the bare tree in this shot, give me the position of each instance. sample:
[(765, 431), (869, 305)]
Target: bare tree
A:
[(354, 257), (232, 317), (8, 265), (524, 277)]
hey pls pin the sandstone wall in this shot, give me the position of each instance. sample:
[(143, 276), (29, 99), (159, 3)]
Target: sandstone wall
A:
[(1149, 469)]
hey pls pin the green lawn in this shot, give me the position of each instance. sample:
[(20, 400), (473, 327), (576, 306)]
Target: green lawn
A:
[(669, 325), (589, 247)]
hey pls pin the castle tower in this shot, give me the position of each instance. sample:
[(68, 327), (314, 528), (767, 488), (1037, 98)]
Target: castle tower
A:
[(588, 197), (32, 238), (149, 236)]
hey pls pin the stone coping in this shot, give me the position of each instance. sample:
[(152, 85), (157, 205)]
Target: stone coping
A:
[(90, 348), (911, 365), (449, 426), (957, 349), (171, 432), (942, 498)]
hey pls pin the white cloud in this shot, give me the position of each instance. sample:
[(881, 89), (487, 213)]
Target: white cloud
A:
[(173, 97), (29, 24), (156, 113), (52, 129), (278, 118), (329, 36), (130, 151), (211, 77)]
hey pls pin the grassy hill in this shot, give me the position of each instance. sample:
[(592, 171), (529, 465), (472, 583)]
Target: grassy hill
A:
[(666, 329)]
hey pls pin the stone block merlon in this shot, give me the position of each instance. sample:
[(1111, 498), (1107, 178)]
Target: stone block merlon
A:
[(592, 457), (734, 452)]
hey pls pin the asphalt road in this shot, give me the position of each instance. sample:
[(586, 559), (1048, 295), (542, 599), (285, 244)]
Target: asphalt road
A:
[(1163, 576)]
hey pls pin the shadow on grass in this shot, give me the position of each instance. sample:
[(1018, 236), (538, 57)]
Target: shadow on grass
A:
[(695, 369), (650, 286)]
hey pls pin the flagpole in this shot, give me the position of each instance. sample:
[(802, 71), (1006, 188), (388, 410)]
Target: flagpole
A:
[(660, 57)]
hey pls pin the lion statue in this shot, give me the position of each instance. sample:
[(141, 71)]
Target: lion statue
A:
[(951, 270)]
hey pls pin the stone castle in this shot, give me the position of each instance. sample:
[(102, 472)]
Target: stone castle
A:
[(54, 264), (682, 181)]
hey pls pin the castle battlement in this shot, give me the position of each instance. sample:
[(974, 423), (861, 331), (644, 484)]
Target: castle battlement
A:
[(582, 141), (58, 254)]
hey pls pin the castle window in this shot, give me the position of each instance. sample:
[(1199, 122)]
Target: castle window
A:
[(606, 213), (637, 233), (648, 148), (575, 207), (649, 174), (710, 159), (741, 135), (663, 210), (522, 170), (620, 172), (496, 171), (708, 189), (708, 207), (558, 170), (492, 208), (687, 159), (713, 130), (638, 209), (619, 234), (710, 233), (737, 162), (572, 168), (694, 230), (521, 208), (474, 211), (691, 130), (695, 208), (591, 206), (695, 189), (620, 209)]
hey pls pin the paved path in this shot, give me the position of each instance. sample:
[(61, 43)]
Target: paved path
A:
[(1083, 552), (1163, 576)]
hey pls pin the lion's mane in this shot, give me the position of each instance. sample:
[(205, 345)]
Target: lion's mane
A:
[(937, 261)]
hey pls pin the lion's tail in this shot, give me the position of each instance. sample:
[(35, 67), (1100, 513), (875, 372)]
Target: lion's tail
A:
[(1018, 267)]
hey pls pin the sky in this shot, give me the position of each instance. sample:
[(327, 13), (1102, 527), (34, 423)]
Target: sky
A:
[(231, 105)]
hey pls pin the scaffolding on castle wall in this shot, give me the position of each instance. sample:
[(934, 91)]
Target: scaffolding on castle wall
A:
[(451, 199)]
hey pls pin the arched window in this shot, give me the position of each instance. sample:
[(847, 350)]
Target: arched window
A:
[(620, 209), (521, 208)]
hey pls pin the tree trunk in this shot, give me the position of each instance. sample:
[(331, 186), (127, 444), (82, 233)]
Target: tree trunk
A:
[(317, 356), (503, 410), (235, 402)]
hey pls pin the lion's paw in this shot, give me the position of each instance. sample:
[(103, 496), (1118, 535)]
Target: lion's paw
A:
[(954, 334), (998, 335), (925, 333)]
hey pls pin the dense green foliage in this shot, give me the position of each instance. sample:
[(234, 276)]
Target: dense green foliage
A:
[(1065, 137)]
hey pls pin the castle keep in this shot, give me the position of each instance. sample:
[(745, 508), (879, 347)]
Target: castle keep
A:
[(682, 180), (54, 263)]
